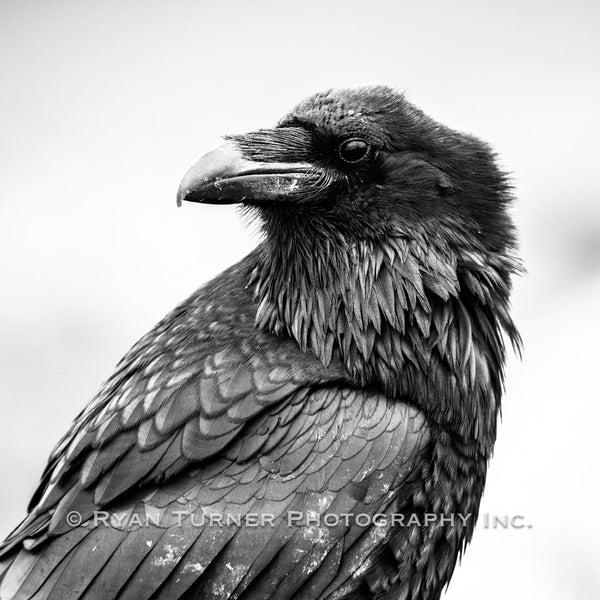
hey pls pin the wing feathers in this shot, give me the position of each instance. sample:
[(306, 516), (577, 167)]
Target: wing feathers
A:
[(246, 428)]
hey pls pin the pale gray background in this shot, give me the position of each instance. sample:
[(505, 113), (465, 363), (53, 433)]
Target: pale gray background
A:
[(103, 106)]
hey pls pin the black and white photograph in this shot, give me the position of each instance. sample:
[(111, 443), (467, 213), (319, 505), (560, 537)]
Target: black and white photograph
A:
[(300, 301)]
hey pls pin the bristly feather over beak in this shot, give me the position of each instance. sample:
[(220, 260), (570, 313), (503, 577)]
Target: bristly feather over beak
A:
[(230, 175)]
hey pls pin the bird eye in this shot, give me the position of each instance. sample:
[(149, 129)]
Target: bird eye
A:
[(353, 150)]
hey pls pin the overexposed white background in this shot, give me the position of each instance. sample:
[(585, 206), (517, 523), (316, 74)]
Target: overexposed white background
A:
[(104, 105)]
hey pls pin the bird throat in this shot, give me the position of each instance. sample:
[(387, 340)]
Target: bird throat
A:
[(419, 317)]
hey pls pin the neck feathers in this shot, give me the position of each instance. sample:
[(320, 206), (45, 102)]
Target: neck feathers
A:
[(422, 318)]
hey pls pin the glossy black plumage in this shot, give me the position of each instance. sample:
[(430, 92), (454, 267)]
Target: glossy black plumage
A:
[(351, 364)]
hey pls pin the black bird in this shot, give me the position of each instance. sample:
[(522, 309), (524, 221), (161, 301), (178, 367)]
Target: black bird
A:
[(316, 422)]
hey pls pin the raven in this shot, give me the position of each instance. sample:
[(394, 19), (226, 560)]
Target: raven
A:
[(316, 421)]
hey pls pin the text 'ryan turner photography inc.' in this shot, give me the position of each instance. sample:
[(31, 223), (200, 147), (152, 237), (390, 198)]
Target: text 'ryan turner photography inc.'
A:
[(128, 520)]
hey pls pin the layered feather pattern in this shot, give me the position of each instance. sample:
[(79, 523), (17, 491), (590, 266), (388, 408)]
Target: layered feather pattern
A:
[(263, 439)]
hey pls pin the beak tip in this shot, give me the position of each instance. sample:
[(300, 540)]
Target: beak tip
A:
[(186, 192), (181, 194)]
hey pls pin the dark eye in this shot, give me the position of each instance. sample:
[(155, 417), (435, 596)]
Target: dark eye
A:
[(353, 150)]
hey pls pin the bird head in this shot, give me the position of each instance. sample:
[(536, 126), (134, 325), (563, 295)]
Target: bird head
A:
[(362, 164), (388, 244)]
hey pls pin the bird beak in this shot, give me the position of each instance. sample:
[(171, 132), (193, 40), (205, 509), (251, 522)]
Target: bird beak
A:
[(226, 176)]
